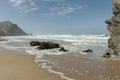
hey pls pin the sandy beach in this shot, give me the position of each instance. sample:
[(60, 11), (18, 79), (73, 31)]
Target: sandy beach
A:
[(86, 67), (69, 65), (22, 67)]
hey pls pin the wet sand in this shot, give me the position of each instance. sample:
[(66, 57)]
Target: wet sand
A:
[(22, 67), (86, 67)]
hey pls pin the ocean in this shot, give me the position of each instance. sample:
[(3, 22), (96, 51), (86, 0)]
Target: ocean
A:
[(72, 65)]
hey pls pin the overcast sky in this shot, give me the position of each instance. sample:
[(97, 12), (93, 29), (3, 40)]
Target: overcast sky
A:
[(58, 16)]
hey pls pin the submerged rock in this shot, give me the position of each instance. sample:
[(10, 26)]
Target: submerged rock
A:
[(63, 49), (114, 28), (88, 51)]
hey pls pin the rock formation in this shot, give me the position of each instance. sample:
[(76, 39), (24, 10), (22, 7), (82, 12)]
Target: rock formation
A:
[(113, 26), (44, 45), (7, 28), (47, 45)]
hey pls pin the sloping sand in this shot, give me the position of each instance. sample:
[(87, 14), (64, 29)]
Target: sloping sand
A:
[(22, 67)]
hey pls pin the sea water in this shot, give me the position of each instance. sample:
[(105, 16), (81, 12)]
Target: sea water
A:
[(71, 65)]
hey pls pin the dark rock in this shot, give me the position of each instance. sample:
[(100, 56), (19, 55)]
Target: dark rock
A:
[(63, 49), (115, 11), (107, 55), (108, 22), (44, 45), (35, 43), (40, 47), (88, 51), (115, 53), (106, 35)]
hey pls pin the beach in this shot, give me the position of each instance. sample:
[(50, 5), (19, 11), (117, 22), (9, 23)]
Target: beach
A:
[(20, 61), (22, 67), (85, 67)]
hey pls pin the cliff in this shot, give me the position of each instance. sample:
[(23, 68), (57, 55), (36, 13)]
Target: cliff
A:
[(7, 28), (113, 26)]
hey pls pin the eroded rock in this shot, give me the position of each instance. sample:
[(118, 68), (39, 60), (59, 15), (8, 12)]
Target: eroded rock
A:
[(113, 26)]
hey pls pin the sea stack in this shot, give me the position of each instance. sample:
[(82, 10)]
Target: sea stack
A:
[(113, 26), (8, 28)]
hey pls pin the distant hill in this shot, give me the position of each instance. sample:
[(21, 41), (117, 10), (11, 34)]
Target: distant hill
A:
[(7, 28)]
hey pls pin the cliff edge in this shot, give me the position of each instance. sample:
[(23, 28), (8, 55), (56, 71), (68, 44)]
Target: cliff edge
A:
[(113, 26)]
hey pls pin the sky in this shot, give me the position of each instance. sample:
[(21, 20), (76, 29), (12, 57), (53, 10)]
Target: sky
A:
[(58, 16)]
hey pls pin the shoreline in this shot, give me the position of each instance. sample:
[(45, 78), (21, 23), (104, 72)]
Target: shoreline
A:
[(83, 67), (22, 67)]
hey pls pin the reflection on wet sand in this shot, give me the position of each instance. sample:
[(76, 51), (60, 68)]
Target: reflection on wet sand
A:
[(85, 67)]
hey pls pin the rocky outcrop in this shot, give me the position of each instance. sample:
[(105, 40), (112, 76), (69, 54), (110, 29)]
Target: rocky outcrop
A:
[(44, 45), (47, 45), (113, 26), (7, 28)]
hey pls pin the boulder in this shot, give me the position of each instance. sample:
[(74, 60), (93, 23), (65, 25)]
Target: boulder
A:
[(44, 45), (88, 51), (63, 49)]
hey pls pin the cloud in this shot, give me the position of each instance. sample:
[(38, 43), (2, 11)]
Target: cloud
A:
[(24, 5), (17, 2), (30, 9), (54, 0), (47, 7), (64, 10)]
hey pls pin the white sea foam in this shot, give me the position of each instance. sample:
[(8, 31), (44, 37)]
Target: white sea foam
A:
[(70, 38), (33, 51), (62, 75), (75, 39), (79, 43), (49, 68)]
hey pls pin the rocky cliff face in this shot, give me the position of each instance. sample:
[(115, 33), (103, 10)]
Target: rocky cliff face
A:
[(7, 28), (113, 26)]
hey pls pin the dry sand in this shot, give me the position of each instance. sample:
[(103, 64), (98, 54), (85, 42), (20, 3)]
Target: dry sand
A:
[(22, 67)]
